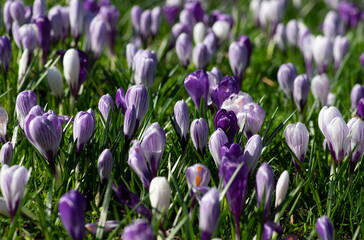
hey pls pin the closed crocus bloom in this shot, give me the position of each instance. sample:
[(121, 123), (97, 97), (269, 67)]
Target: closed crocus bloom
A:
[(4, 119), (139, 229), (217, 140), (184, 49), (324, 228), (282, 188), (39, 9), (83, 129), (254, 115), (224, 89), (197, 86), (106, 103), (24, 102), (136, 161), (111, 15), (287, 73), (236, 102), (160, 194), (341, 47), (301, 89), (331, 25), (23, 65), (195, 11), (28, 36), (331, 99), (71, 70), (131, 50), (44, 27), (55, 17), (326, 115), (221, 29), (72, 211), (17, 12), (227, 121), (179, 28), (320, 87), (129, 123), (338, 138), (292, 32), (13, 181), (105, 165), (349, 13), (182, 120), (280, 37), (238, 59), (138, 96), (65, 22), (145, 67), (6, 53), (264, 185), (322, 50), (153, 142), (297, 138), (360, 111), (252, 152), (98, 34), (156, 20), (209, 213), (199, 134), (200, 56), (6, 154), (145, 24), (76, 14), (199, 32), (8, 20), (197, 175), (120, 100), (356, 130), (210, 42), (55, 81), (217, 74), (185, 18), (357, 92), (135, 14)]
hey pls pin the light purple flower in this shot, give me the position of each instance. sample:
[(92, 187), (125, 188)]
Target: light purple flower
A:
[(83, 129), (105, 165), (264, 185), (199, 134)]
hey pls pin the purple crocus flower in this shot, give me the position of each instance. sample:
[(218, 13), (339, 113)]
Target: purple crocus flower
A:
[(98, 36), (252, 152), (6, 53), (301, 89), (83, 129), (197, 86), (357, 92), (8, 20), (156, 20), (138, 96), (238, 59), (24, 102), (287, 73), (45, 133), (105, 165), (280, 37), (320, 87), (6, 154), (4, 119), (197, 175), (65, 23), (17, 12), (13, 181), (338, 138), (39, 9), (362, 59), (331, 25), (224, 89), (109, 226), (120, 100), (292, 32), (209, 213), (264, 185), (325, 228), (138, 163), (182, 120), (129, 123), (360, 111), (227, 121), (349, 13), (200, 56), (28, 37), (145, 66), (184, 49), (131, 50), (341, 47), (179, 28), (199, 134), (322, 51), (72, 210), (106, 103), (210, 43), (139, 229), (217, 140), (91, 5), (254, 115), (76, 14), (55, 17), (145, 24), (297, 139), (135, 15), (269, 228), (356, 129), (44, 35), (111, 15), (195, 11)]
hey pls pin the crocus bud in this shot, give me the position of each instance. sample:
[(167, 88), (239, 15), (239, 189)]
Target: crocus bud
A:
[(217, 140), (264, 185), (252, 152), (199, 134), (83, 129), (184, 49), (238, 59), (210, 42), (55, 17), (4, 119), (23, 65), (145, 24), (111, 15), (160, 194), (356, 131), (221, 29), (76, 13), (200, 56), (71, 69), (37, 111), (287, 73), (331, 99), (137, 162), (301, 89), (8, 20), (129, 123), (106, 103), (55, 81), (322, 50), (338, 138), (320, 87), (292, 32), (145, 67), (297, 138), (65, 22), (138, 96), (324, 228), (45, 133), (349, 13), (209, 213), (341, 47), (28, 36), (98, 35), (197, 175), (195, 11), (120, 100), (17, 12), (72, 210), (39, 9), (224, 89), (254, 115), (280, 37), (227, 121), (326, 115), (199, 32), (282, 188), (24, 102), (13, 181), (331, 25), (5, 53), (360, 111), (185, 18), (135, 15), (153, 142), (105, 165), (197, 86), (6, 154), (139, 229), (179, 28), (182, 120), (156, 20), (131, 50), (357, 92), (217, 74)]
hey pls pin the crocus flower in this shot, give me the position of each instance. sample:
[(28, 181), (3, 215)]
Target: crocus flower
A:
[(287, 73), (301, 89), (356, 129), (39, 9), (139, 229), (200, 56), (210, 43), (129, 123), (322, 51), (45, 133), (106, 103), (136, 95), (110, 14), (221, 29), (179, 28), (5, 53), (238, 59), (227, 121), (320, 87), (224, 89), (71, 70), (98, 35), (338, 138), (13, 181), (65, 22), (331, 25), (156, 20), (55, 17), (28, 37), (349, 13), (236, 102), (55, 81), (197, 86), (282, 188), (360, 111), (209, 213), (217, 140), (145, 24), (17, 12), (197, 175), (325, 228), (83, 129), (160, 194), (105, 165), (254, 115), (6, 154), (138, 163), (340, 48), (4, 119), (44, 27), (280, 37), (297, 139), (292, 32), (72, 210), (182, 120), (357, 92), (8, 20), (252, 152), (264, 185), (145, 67), (199, 134), (131, 50), (195, 11), (199, 30), (135, 15), (76, 13), (326, 115), (269, 228), (24, 102), (184, 49)]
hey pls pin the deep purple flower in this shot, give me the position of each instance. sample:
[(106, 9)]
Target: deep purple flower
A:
[(129, 123), (5, 53), (105, 165), (271, 227), (349, 13), (83, 129), (227, 121), (224, 89), (120, 100), (90, 5), (195, 11), (264, 185), (357, 92), (72, 210), (301, 89), (244, 40), (197, 86), (6, 154), (139, 229), (199, 134), (170, 13), (360, 111), (217, 140), (325, 228), (44, 35)]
